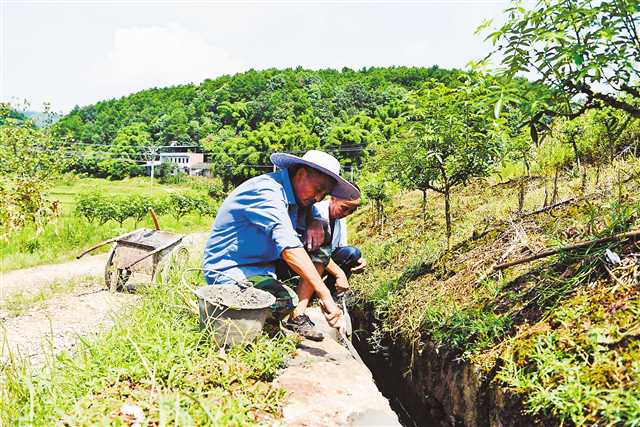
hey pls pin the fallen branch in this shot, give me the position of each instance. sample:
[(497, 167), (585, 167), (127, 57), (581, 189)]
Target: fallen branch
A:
[(547, 208), (579, 245), (561, 203)]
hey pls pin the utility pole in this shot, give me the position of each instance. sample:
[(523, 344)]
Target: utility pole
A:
[(151, 151)]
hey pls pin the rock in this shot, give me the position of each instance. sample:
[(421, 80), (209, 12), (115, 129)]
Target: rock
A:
[(327, 386)]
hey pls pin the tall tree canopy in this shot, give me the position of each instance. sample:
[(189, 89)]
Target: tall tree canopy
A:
[(585, 48)]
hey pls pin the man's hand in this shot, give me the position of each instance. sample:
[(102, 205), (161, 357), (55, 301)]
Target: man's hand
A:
[(362, 263), (333, 314), (342, 284), (314, 236)]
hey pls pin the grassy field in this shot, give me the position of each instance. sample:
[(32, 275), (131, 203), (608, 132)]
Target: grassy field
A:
[(67, 188), (65, 236), (156, 358), (560, 332)]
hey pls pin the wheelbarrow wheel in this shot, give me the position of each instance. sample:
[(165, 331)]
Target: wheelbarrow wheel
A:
[(114, 278), (176, 260)]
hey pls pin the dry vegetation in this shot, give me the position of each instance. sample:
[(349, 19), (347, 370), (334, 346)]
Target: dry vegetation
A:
[(561, 330)]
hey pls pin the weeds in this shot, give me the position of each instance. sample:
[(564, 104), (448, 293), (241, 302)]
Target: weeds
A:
[(561, 332), (581, 364), (154, 357)]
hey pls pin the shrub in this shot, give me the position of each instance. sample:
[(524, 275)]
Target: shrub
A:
[(30, 161), (122, 208), (181, 205), (94, 206), (120, 169), (212, 186), (89, 204), (377, 188), (139, 205)]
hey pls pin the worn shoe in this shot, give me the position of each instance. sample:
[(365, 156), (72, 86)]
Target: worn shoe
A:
[(304, 326)]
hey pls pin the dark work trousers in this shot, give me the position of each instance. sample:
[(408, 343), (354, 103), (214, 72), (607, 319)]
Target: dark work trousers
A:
[(346, 257)]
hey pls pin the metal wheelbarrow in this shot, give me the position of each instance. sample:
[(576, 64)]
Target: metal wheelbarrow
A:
[(142, 252)]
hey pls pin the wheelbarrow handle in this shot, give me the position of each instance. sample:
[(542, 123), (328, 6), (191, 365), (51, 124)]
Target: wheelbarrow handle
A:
[(113, 239), (154, 218)]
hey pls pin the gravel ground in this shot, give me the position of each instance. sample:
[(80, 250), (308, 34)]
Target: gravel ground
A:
[(234, 296), (56, 322), (34, 278)]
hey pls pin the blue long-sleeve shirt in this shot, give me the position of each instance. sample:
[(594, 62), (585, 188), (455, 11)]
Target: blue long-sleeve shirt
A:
[(254, 224)]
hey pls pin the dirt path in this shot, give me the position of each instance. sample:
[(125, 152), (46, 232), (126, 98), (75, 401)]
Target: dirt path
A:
[(54, 325), (47, 307), (44, 309), (34, 278)]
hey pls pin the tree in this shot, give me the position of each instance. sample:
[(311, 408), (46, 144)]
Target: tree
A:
[(584, 48), (449, 139), (120, 168), (130, 139), (568, 132), (243, 118), (378, 189), (609, 124), (29, 160)]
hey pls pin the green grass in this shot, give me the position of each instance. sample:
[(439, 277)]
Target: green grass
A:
[(69, 186), (581, 364), (154, 357), (421, 291), (66, 236)]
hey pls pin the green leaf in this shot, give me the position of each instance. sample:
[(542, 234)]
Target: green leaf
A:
[(498, 107), (577, 58)]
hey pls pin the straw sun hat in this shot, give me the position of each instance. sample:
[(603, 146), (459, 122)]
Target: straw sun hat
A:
[(323, 162)]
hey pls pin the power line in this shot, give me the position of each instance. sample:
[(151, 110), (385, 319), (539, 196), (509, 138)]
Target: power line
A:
[(342, 148)]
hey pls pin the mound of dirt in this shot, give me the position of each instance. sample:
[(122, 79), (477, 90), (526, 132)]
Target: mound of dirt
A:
[(235, 297)]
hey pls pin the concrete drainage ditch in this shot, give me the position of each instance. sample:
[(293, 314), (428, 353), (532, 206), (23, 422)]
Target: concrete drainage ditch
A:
[(427, 387)]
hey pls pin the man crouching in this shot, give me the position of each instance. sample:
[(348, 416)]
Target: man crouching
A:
[(256, 226)]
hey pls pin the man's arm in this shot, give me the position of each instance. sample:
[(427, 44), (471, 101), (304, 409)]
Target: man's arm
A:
[(299, 261), (342, 284)]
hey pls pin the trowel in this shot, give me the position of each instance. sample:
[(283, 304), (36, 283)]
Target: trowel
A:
[(347, 319), (343, 335)]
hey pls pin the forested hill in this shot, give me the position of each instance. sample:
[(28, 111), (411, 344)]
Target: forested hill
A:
[(240, 119)]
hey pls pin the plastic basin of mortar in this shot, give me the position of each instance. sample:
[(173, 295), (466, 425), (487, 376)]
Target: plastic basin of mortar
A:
[(234, 314)]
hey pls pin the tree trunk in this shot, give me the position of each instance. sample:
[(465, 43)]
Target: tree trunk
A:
[(584, 182), (619, 176), (546, 193), (612, 152), (521, 196), (424, 206), (447, 215), (554, 196), (575, 152)]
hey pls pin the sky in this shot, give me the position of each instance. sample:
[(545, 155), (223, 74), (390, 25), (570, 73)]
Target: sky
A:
[(69, 53)]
